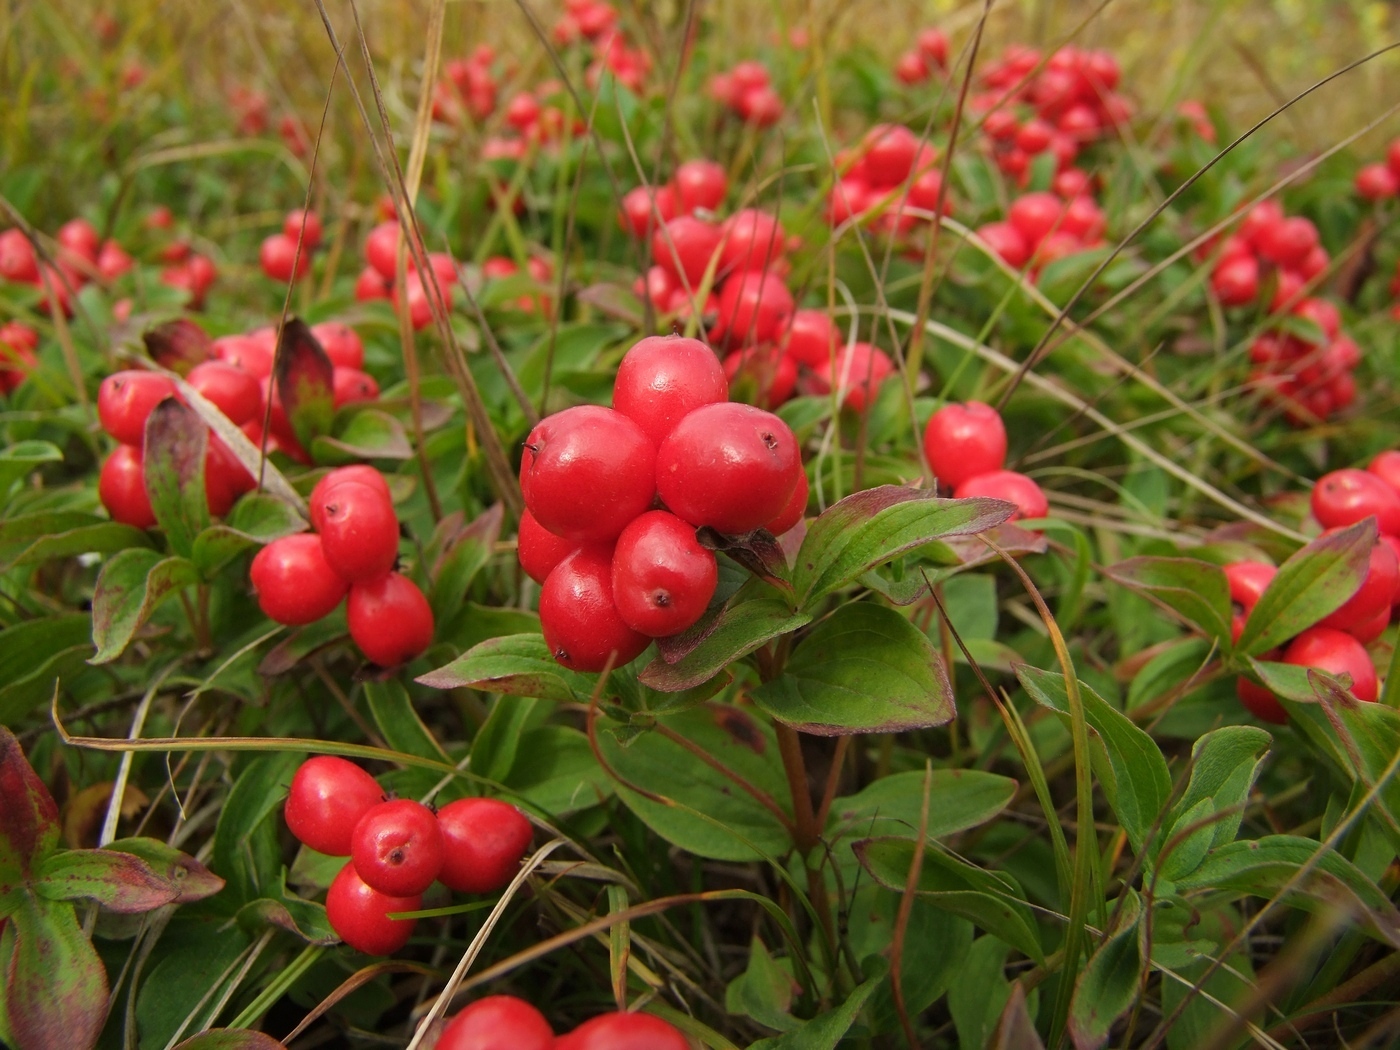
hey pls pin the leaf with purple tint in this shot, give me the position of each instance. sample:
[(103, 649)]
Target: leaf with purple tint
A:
[(739, 629), (1196, 590), (178, 345), (515, 665), (129, 589), (176, 443), (55, 984), (231, 1039), (134, 875), (28, 816), (304, 378)]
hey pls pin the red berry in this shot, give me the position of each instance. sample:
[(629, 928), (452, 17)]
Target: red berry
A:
[(498, 1022), (341, 343), (281, 260), (579, 621), (700, 184), (125, 400), (622, 1031), (1006, 241), (663, 378), (350, 386), (80, 237), (662, 579), (327, 798), (484, 841), (1289, 242), (305, 224), (1386, 466), (1010, 486), (761, 375), (18, 262), (685, 246), (1335, 652), (382, 249), (1235, 281), (888, 154), (933, 45), (925, 190), (359, 531), (231, 390), (1260, 702), (389, 619), (1247, 581), (962, 441), (753, 240), (1373, 598), (359, 472), (225, 477), (250, 354), (795, 509), (371, 285), (1344, 497), (587, 471), (637, 215), (730, 466), (122, 488), (539, 550), (113, 261), (859, 369), (1377, 182), (397, 848), (911, 68), (293, 583), (360, 915), (812, 338), (1034, 215), (753, 308)]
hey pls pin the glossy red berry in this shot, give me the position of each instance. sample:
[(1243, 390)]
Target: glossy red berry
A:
[(293, 582), (122, 488), (539, 550), (231, 390), (18, 262), (305, 224), (964, 440), (1035, 215), (1247, 581), (812, 338), (1235, 281), (225, 477), (685, 246), (1008, 485), (1007, 242), (125, 400), (730, 466), (638, 217), (753, 308), (662, 579), (350, 386), (578, 618), (360, 473), (858, 369), (389, 619), (586, 472), (1335, 652), (281, 260), (888, 153), (484, 840), (498, 1022), (382, 248), (765, 376), (327, 798), (1386, 466), (795, 509), (665, 377), (1373, 598), (359, 531), (753, 241), (623, 1031), (397, 847), (1344, 497), (341, 343), (700, 184), (359, 914)]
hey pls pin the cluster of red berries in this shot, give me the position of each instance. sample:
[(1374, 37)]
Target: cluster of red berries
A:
[(505, 1022), (538, 267), (1309, 377), (251, 113), (1056, 105), (185, 269), (397, 848), (80, 256), (595, 22), (876, 177), (536, 122), (351, 555), (1337, 643), (1268, 241), (615, 571), (253, 353), (928, 55), (376, 280), (747, 91), (286, 255), (18, 343), (966, 449), (1381, 181), (468, 88), (1042, 227)]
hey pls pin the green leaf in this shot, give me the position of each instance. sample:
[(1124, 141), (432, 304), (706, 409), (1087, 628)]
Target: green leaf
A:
[(23, 458), (515, 664), (555, 772), (871, 527), (1224, 765), (99, 537), (55, 984), (119, 881), (1298, 684), (979, 991), (1197, 590), (369, 434), (28, 817), (257, 796), (824, 1032), (174, 450), (498, 740), (864, 669), (231, 1039), (305, 381), (1110, 982), (693, 805), (990, 900), (1015, 1029), (890, 806), (1127, 761), (192, 879), (303, 919), (398, 722), (1262, 867), (33, 654), (1314, 582), (764, 991), (1187, 842), (129, 589), (743, 624), (465, 555), (256, 520)]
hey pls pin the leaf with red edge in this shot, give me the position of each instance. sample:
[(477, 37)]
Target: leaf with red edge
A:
[(55, 984), (304, 378), (178, 345), (231, 1039), (192, 879), (176, 443), (28, 816), (129, 588), (120, 881)]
